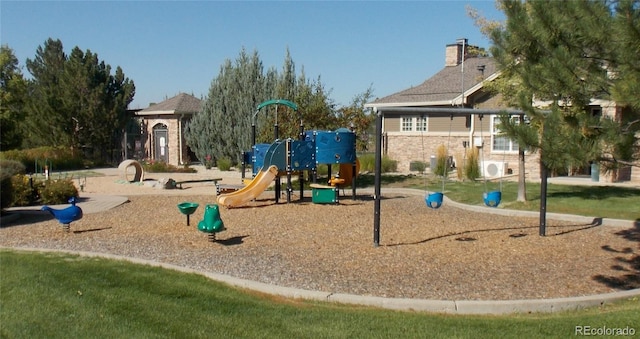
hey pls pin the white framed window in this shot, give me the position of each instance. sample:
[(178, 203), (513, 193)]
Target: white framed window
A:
[(413, 124), (421, 124), (406, 124), (501, 143)]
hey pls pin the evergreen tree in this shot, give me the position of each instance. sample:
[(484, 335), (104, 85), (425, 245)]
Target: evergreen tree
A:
[(46, 122), (223, 128), (565, 54), (76, 102), (13, 91)]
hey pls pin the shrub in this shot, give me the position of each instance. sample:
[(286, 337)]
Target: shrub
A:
[(57, 191), (368, 163), (8, 168), (388, 165), (471, 166), (224, 164), (418, 166), (58, 157), (459, 166), (442, 159), (163, 167), (23, 194), (12, 167), (6, 191)]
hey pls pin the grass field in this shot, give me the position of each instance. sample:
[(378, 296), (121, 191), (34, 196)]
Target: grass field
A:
[(66, 296)]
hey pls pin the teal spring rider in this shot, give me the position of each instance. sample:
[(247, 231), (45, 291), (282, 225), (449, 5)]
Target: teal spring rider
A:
[(211, 223)]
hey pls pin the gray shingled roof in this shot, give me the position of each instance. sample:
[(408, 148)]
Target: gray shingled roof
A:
[(180, 104), (445, 85)]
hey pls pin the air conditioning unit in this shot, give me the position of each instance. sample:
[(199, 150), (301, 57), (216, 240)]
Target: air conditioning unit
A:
[(494, 169)]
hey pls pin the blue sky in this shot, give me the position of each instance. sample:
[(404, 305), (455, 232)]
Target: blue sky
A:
[(167, 47)]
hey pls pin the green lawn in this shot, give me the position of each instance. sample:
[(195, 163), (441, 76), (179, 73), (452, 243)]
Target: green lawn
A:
[(66, 296)]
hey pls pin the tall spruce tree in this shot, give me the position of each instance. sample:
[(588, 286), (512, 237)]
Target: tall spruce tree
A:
[(566, 54), (223, 128), (47, 123)]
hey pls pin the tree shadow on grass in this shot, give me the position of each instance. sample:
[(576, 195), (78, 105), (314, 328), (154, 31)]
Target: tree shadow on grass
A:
[(629, 267)]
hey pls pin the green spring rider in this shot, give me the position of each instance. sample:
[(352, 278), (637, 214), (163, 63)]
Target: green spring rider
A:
[(211, 223)]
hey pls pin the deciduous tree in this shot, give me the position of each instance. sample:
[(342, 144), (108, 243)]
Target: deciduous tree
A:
[(13, 90)]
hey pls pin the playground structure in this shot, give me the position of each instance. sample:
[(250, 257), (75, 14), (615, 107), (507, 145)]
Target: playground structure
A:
[(138, 175), (287, 157)]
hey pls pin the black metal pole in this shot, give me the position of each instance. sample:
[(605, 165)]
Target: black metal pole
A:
[(301, 172), (376, 194), (544, 173), (253, 134), (289, 187), (354, 175)]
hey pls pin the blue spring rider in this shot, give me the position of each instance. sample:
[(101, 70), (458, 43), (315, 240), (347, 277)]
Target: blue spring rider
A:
[(67, 215), (434, 200), (211, 222)]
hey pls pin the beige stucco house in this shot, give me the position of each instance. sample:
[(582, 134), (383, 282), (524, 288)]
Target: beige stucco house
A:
[(162, 129), (410, 138)]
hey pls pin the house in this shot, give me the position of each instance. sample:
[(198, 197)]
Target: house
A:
[(409, 138), (162, 128)]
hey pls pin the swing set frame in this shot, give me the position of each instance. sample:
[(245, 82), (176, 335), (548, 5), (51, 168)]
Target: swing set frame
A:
[(428, 112)]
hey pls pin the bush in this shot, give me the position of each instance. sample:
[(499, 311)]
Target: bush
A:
[(11, 167), (57, 191), (418, 166), (8, 168), (471, 166), (459, 166), (163, 167), (368, 163), (58, 158), (442, 159), (23, 194), (224, 164)]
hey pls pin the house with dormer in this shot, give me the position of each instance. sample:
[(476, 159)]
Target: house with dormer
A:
[(409, 138)]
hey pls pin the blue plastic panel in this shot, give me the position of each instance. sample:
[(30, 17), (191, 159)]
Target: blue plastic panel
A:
[(257, 159), (303, 155), (337, 147)]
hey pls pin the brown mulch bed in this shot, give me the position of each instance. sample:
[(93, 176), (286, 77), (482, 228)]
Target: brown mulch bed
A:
[(444, 254)]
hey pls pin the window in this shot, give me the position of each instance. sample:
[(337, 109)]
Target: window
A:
[(412, 124), (407, 124), (421, 124), (500, 143)]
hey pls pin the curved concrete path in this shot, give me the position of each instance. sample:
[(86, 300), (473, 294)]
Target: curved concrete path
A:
[(95, 203)]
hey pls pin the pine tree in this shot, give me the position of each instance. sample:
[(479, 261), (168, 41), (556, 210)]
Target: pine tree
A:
[(567, 53)]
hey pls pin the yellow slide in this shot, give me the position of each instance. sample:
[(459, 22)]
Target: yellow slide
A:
[(251, 191)]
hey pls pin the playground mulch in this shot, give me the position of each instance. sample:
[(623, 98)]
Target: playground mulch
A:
[(444, 254)]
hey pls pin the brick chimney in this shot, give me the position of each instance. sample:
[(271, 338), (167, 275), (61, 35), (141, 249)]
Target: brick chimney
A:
[(453, 56)]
